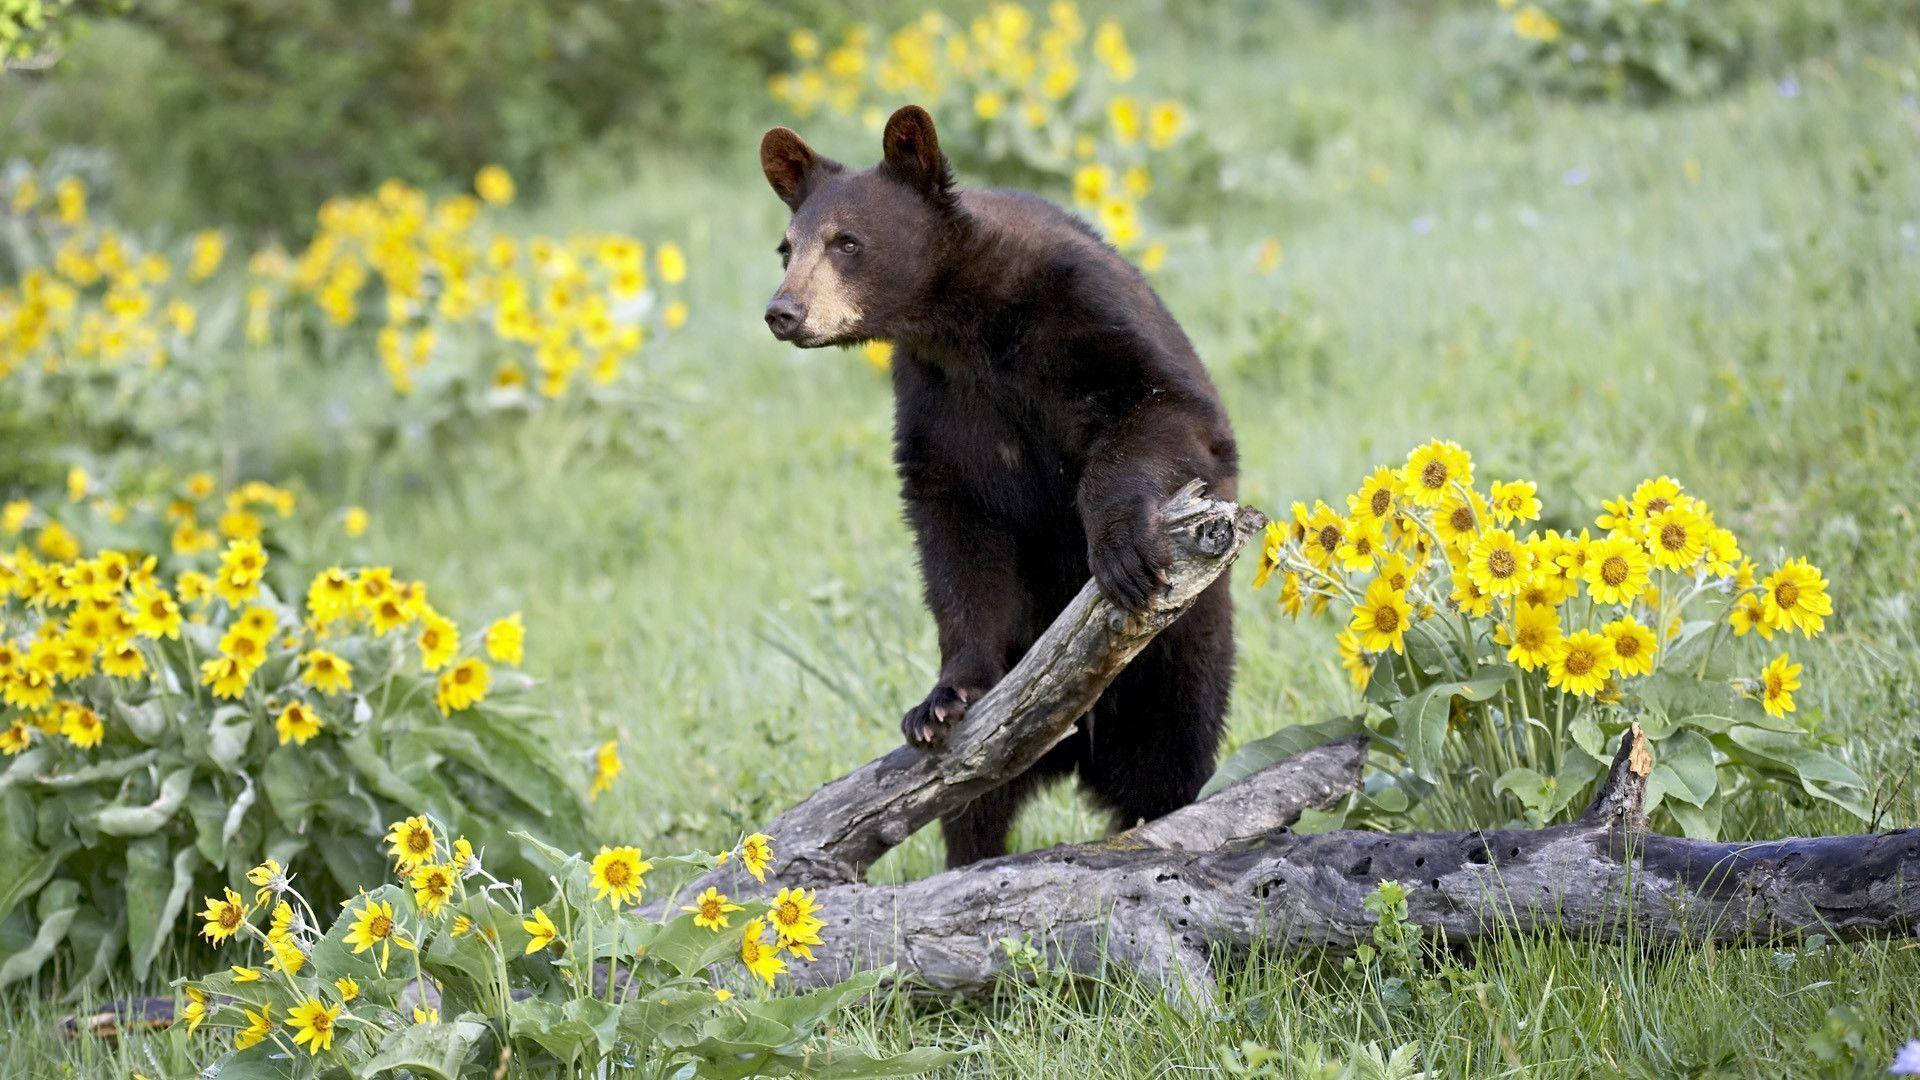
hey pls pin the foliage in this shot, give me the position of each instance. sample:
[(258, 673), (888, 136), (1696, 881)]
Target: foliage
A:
[(1649, 50), (1503, 669), (28, 26), (1016, 98), (172, 718), (122, 342), (457, 973)]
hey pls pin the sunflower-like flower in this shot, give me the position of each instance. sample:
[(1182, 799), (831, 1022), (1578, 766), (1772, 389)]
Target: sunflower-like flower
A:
[(1617, 570), (541, 930), (1516, 500), (224, 916), (1536, 635), (619, 875), (432, 887), (710, 909), (1676, 536), (756, 854), (410, 842), (1498, 563), (298, 723), (312, 1022), (1581, 663), (326, 672), (1633, 645), (1748, 615), (1794, 597), (795, 926), (374, 925), (1381, 618), (760, 958), (1459, 518), (194, 1012), (1354, 659), (259, 1026), (1326, 533), (1272, 542), (1377, 496), (1778, 681), (1433, 469)]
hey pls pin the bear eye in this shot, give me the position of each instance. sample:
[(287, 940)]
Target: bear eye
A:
[(785, 251), (846, 244)]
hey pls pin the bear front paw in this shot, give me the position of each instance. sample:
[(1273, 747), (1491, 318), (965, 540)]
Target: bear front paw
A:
[(926, 724), (1131, 568)]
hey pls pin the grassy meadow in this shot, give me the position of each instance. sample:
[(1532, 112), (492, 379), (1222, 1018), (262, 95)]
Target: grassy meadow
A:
[(1585, 294)]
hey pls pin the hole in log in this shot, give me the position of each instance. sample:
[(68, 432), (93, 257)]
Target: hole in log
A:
[(1477, 852), (1166, 877), (1421, 861), (1186, 901), (1514, 854), (1362, 868), (1434, 884)]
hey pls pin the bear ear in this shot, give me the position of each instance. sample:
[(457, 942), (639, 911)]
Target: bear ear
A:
[(912, 153), (791, 166)]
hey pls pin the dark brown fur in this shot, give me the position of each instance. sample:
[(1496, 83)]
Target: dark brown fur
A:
[(1046, 404)]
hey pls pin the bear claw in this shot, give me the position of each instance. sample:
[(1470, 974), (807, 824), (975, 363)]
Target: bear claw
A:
[(926, 724)]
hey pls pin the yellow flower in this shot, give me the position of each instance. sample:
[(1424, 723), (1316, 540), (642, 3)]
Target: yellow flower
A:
[(1377, 496), (155, 614), (1723, 552), (1778, 681), (722, 994), (1650, 497), (439, 641), (284, 955), (795, 926), (245, 974), (313, 1025), (710, 909), (1633, 645), (1433, 469), (411, 842), (1165, 121), (1535, 25), (1616, 570), (619, 875), (241, 566), (270, 877), (1498, 564), (1358, 665), (542, 929), (1795, 598), (15, 738), (1364, 544), (461, 686), (224, 917), (82, 726), (298, 723), (1581, 663), (1273, 540), (1676, 536), (349, 989), (1326, 533), (326, 672), (879, 354), (331, 595), (1459, 518), (1380, 620), (606, 766), (193, 586), (432, 887), (756, 854), (494, 184), (673, 263), (462, 853), (1536, 636), (374, 925), (259, 1026), (1749, 613), (122, 660), (195, 1012), (354, 522), (1515, 501), (505, 640), (760, 958)]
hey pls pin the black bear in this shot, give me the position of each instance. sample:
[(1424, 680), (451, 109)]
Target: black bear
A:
[(1045, 406)]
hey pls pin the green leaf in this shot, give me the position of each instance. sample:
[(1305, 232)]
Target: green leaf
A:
[(439, 1050), (59, 905), (690, 949), (1683, 768), (565, 1031), (156, 891), (804, 1012), (1816, 770), (152, 817), (852, 1063), (1423, 717), (650, 1019), (1287, 742), (1534, 791), (1698, 822)]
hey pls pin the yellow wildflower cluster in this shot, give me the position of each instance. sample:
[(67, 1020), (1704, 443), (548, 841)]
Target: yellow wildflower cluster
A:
[(438, 284), (1420, 547), (1048, 90), (1530, 23), (72, 616), (99, 298)]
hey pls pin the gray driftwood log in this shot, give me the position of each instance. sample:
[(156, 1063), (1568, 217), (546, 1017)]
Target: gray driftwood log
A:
[(1163, 910)]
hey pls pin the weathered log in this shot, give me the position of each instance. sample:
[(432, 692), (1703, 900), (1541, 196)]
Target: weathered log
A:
[(1161, 911), (838, 832)]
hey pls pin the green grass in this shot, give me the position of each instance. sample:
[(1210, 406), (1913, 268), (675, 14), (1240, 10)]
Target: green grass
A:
[(736, 597)]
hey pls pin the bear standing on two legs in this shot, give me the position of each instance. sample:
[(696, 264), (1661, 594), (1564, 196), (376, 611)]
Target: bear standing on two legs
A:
[(1045, 405)]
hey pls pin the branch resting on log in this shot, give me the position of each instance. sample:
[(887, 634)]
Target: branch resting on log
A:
[(838, 832)]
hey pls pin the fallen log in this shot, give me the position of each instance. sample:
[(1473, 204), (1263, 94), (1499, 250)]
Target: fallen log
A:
[(1163, 910)]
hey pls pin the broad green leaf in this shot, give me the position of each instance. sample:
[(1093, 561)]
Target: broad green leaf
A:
[(59, 904), (1284, 743), (650, 1019), (1682, 769), (1534, 791), (437, 1050), (152, 817), (1698, 822), (690, 949), (1423, 717), (566, 1031), (804, 1012), (1814, 768), (156, 889)]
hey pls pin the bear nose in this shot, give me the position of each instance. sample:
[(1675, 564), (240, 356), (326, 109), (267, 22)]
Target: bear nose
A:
[(784, 316)]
